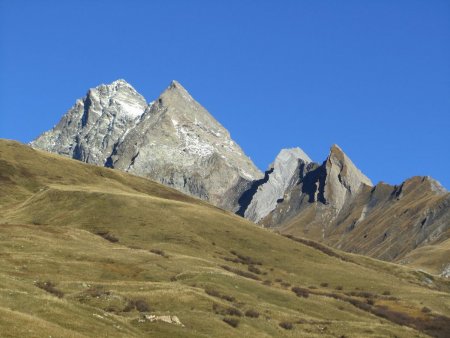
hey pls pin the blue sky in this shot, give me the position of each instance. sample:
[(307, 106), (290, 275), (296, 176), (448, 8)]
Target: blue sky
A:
[(371, 76)]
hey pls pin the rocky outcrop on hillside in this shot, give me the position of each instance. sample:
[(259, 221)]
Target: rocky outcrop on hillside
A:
[(173, 140)]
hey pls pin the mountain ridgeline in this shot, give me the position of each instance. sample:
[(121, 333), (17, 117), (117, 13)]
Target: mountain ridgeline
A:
[(177, 142), (172, 140)]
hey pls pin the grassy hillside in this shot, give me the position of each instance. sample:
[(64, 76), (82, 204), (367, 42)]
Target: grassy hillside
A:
[(92, 252)]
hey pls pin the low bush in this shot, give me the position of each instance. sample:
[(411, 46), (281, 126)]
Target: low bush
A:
[(232, 311), (245, 274), (254, 269), (300, 292), (426, 309), (324, 285), (106, 235), (212, 292), (50, 287), (159, 252), (228, 298), (246, 259), (217, 294), (252, 313), (363, 294), (286, 325), (97, 291), (139, 304), (231, 321)]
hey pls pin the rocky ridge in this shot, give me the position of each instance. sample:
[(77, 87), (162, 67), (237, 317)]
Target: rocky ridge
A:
[(173, 140), (336, 204)]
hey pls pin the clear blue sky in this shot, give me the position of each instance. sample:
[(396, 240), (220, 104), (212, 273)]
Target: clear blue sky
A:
[(371, 76)]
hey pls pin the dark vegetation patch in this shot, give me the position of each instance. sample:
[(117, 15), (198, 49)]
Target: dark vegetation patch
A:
[(107, 235), (312, 322), (159, 252), (254, 269), (286, 325), (285, 284), (96, 291), (362, 294), (217, 294), (252, 313), (245, 274), (139, 304), (50, 287), (226, 310), (324, 285), (324, 249), (245, 259), (234, 322), (300, 292), (426, 309)]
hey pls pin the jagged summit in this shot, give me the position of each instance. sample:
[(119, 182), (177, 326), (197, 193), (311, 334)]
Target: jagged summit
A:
[(287, 154), (282, 173), (173, 140), (339, 158)]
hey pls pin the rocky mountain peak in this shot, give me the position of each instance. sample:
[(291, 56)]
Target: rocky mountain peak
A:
[(343, 179), (268, 192), (344, 164), (290, 155), (173, 140)]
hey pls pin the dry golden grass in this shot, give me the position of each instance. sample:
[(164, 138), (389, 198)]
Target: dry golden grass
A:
[(55, 212)]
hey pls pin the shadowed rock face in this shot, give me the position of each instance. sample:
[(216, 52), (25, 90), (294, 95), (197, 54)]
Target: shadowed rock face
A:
[(336, 204), (293, 176), (280, 176), (173, 140)]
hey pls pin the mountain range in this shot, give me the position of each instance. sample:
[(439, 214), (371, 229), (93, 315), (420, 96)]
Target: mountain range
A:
[(177, 142)]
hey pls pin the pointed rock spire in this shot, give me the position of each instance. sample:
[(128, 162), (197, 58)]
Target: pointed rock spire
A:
[(281, 174), (343, 178)]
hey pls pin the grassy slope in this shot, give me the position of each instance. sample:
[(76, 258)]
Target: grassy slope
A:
[(51, 209), (433, 258)]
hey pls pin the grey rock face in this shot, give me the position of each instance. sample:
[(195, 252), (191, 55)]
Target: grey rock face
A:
[(294, 182), (343, 179), (173, 140), (89, 130), (281, 174), (178, 143), (336, 204)]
